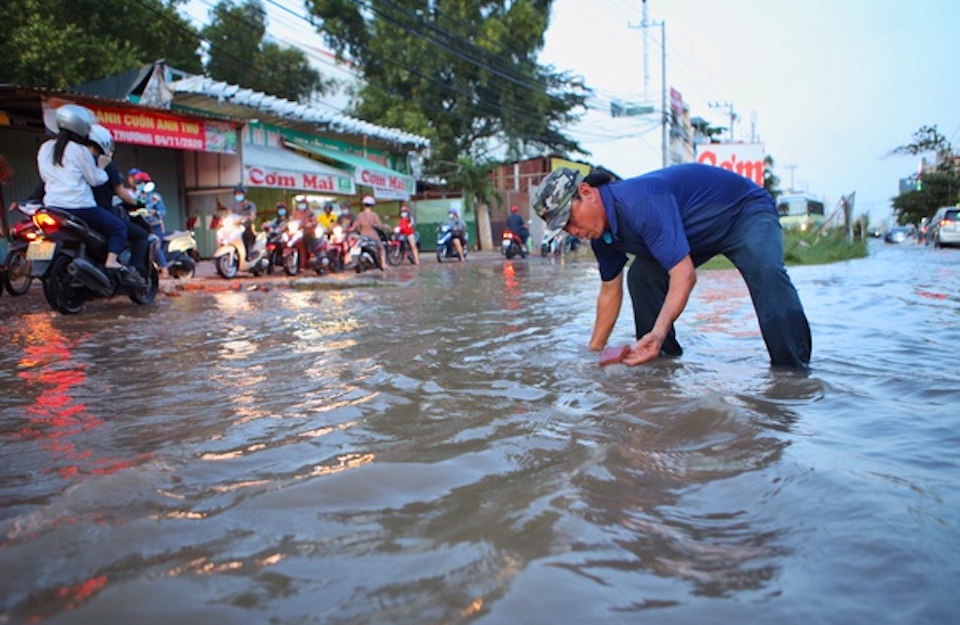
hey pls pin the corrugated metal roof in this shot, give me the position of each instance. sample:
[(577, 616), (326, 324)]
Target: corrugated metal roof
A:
[(226, 93)]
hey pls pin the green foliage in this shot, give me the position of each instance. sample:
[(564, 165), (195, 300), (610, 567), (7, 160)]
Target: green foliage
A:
[(941, 185), (460, 72), (59, 43), (238, 54), (808, 248), (770, 180), (939, 189)]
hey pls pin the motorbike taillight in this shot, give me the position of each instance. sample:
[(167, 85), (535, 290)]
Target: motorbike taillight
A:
[(46, 222)]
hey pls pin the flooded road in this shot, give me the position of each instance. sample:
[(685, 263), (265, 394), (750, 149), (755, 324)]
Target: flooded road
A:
[(443, 449)]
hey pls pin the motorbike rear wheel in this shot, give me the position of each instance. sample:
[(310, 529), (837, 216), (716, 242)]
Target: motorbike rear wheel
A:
[(147, 294), (17, 278), (228, 265), (58, 290)]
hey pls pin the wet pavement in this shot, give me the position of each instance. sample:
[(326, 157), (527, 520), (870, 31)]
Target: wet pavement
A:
[(438, 446)]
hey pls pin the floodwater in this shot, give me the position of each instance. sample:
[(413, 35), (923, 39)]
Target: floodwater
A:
[(444, 450)]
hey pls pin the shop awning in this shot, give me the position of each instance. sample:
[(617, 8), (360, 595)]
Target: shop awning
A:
[(280, 168), (387, 183)]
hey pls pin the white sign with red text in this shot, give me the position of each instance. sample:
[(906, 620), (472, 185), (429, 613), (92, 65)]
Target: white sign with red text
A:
[(745, 159), (256, 176)]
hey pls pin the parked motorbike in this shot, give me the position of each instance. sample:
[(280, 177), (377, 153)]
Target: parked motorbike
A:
[(231, 256), (445, 247), (68, 256), (512, 245), (17, 276), (180, 248)]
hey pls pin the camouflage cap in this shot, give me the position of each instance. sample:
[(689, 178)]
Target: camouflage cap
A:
[(552, 199)]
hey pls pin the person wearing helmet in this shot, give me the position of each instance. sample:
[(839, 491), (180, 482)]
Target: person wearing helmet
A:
[(406, 228), (370, 225), (247, 211), (102, 143), (305, 214), (70, 172), (516, 225), (459, 230), (673, 220), (156, 211)]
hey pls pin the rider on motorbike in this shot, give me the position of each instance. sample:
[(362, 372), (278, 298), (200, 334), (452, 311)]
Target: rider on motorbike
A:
[(104, 194), (157, 209), (69, 172), (458, 228), (517, 226), (247, 211)]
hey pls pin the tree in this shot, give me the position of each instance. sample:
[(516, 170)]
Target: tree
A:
[(238, 54), (60, 43), (771, 182), (460, 72), (939, 186)]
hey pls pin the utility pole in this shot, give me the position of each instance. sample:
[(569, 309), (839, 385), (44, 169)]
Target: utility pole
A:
[(645, 24), (733, 115), (791, 168)]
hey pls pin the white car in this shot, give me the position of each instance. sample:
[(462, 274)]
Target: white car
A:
[(944, 228)]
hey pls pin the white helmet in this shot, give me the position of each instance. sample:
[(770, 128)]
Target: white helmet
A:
[(75, 118), (101, 136), (368, 200)]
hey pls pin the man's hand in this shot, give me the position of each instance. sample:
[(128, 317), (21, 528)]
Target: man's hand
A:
[(647, 348)]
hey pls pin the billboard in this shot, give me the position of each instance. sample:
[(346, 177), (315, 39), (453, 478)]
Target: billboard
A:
[(745, 159)]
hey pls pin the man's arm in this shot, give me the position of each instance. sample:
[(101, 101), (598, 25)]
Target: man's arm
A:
[(683, 277), (608, 309)]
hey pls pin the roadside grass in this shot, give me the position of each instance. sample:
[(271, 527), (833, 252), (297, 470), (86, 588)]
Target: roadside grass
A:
[(799, 248), (807, 248)]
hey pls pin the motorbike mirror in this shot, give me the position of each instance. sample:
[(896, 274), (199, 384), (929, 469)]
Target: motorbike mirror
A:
[(149, 187)]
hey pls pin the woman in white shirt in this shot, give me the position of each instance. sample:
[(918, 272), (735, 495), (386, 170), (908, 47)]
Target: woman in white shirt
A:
[(69, 171)]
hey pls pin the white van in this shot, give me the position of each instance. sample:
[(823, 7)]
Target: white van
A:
[(944, 229)]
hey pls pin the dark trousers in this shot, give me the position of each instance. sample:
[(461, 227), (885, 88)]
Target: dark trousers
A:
[(106, 223), (755, 247), (139, 248)]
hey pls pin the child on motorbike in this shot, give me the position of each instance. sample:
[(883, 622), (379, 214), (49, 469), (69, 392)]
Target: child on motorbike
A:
[(69, 172)]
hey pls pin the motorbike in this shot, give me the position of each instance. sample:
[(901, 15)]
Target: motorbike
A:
[(292, 246), (274, 245), (68, 257), (512, 245), (337, 249), (231, 256), (445, 247), (17, 276), (180, 248), (559, 245), (398, 247), (363, 253)]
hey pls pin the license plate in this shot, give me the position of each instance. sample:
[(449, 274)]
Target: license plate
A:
[(41, 250)]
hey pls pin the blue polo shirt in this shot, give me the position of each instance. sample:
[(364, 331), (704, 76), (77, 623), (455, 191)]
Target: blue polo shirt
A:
[(670, 213)]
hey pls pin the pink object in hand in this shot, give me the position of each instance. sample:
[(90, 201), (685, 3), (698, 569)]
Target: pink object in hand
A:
[(614, 355)]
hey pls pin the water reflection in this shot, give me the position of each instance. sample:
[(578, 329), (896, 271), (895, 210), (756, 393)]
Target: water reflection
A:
[(443, 448)]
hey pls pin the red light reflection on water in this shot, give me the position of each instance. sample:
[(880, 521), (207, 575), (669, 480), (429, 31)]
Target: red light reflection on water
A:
[(49, 369)]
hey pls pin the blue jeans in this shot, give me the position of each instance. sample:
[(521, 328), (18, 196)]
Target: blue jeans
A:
[(106, 223), (161, 257), (755, 246)]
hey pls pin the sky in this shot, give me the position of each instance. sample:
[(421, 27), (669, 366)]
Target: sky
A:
[(829, 87)]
